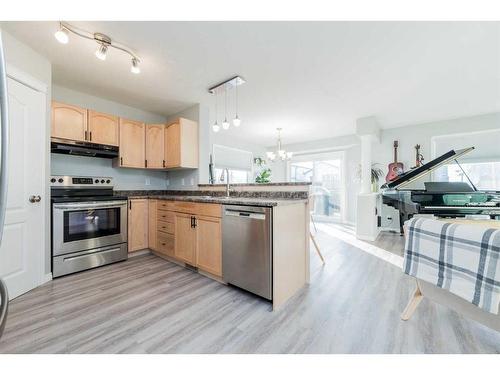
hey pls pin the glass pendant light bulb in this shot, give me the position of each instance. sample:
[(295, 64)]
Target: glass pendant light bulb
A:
[(101, 51), (135, 66), (236, 121), (225, 124), (62, 35), (215, 127)]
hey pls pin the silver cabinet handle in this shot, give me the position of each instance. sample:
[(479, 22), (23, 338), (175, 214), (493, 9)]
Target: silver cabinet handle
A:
[(35, 198)]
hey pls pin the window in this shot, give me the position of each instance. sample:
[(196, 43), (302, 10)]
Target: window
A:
[(235, 176), (325, 171), (238, 162), (484, 175)]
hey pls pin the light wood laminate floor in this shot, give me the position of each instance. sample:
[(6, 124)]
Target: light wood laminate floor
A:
[(148, 305)]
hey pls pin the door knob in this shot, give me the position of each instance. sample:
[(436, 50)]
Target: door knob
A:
[(35, 198)]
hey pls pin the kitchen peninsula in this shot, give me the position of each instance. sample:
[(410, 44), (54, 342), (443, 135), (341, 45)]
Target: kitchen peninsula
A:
[(187, 227)]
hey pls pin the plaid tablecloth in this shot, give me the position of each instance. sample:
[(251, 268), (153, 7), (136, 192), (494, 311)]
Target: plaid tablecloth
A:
[(460, 258)]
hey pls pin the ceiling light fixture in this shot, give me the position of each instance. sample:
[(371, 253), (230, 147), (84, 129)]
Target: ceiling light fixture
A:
[(282, 154), (101, 51), (222, 88), (236, 119), (104, 43), (62, 35), (225, 123), (216, 126), (135, 66)]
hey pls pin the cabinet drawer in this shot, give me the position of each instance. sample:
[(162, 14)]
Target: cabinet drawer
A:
[(168, 216), (165, 226), (166, 244), (193, 208)]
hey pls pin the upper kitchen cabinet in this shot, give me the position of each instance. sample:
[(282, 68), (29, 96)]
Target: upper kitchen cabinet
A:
[(69, 122), (103, 128), (132, 144), (155, 155), (181, 144)]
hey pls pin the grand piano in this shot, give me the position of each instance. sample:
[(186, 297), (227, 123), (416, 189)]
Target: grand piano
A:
[(441, 199)]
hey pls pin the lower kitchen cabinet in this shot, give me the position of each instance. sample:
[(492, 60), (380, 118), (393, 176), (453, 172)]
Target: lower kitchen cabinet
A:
[(138, 224), (166, 244), (185, 238), (209, 244), (152, 224)]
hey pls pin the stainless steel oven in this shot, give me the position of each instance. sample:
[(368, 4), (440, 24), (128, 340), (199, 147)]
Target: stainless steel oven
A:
[(89, 224), (80, 226)]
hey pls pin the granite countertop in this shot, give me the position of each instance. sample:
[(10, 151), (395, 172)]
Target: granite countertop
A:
[(265, 202), (256, 184)]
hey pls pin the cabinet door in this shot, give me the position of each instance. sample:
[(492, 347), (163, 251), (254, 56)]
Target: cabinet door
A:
[(173, 145), (166, 244), (209, 244), (155, 154), (153, 217), (68, 122), (132, 143), (185, 238), (137, 224), (103, 128)]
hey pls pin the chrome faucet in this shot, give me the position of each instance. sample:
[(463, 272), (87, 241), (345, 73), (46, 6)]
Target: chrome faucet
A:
[(227, 182)]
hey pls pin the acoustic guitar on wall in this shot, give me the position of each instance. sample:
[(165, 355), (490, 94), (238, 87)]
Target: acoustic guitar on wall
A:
[(395, 168)]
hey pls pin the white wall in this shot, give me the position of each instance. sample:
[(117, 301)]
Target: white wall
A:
[(30, 62), (124, 178)]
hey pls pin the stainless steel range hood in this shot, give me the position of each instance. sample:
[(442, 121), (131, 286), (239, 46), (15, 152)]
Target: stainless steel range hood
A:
[(78, 148)]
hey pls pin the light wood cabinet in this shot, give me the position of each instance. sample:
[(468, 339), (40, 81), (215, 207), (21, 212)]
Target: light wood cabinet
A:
[(138, 221), (152, 220), (68, 122), (209, 244), (132, 144), (103, 128), (155, 155), (181, 144), (166, 244), (185, 238)]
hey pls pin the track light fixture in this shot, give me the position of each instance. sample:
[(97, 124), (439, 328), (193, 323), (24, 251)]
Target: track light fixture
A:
[(104, 43)]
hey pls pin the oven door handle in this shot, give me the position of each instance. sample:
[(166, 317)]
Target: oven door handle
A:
[(83, 206)]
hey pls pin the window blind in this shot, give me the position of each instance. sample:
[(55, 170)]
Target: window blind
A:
[(232, 158)]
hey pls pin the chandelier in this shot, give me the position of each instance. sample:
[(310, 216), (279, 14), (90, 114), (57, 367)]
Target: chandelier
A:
[(280, 153)]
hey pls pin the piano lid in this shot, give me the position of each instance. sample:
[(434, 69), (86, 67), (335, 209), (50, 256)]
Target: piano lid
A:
[(414, 174)]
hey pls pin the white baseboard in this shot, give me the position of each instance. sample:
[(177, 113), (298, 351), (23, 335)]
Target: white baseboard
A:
[(47, 277), (367, 238)]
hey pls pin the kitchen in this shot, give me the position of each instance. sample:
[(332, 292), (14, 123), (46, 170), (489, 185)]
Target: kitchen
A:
[(163, 199)]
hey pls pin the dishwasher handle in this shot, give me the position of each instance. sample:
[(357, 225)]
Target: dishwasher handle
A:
[(245, 214)]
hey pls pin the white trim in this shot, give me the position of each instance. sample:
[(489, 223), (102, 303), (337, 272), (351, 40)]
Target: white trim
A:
[(46, 278), (26, 79)]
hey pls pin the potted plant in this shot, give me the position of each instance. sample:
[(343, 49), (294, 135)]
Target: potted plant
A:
[(376, 174), (264, 174)]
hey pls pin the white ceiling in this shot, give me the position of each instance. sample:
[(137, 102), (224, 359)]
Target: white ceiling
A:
[(314, 79)]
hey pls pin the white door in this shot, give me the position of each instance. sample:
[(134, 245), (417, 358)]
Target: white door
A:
[(22, 249)]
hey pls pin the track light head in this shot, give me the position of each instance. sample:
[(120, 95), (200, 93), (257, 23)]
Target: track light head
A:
[(62, 35), (135, 66), (101, 51)]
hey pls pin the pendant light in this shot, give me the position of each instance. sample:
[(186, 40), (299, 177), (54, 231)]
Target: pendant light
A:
[(236, 120), (101, 51), (223, 87), (225, 123), (216, 126)]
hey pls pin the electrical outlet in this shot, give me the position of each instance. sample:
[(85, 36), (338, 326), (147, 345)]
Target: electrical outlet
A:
[(148, 181), (168, 182), (192, 181), (183, 182)]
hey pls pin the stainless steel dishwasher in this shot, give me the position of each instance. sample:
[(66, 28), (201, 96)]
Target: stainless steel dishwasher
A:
[(247, 248)]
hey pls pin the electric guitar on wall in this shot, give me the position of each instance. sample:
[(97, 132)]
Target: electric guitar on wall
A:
[(395, 168)]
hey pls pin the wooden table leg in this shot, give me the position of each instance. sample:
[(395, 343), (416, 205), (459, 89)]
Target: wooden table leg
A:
[(412, 304)]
